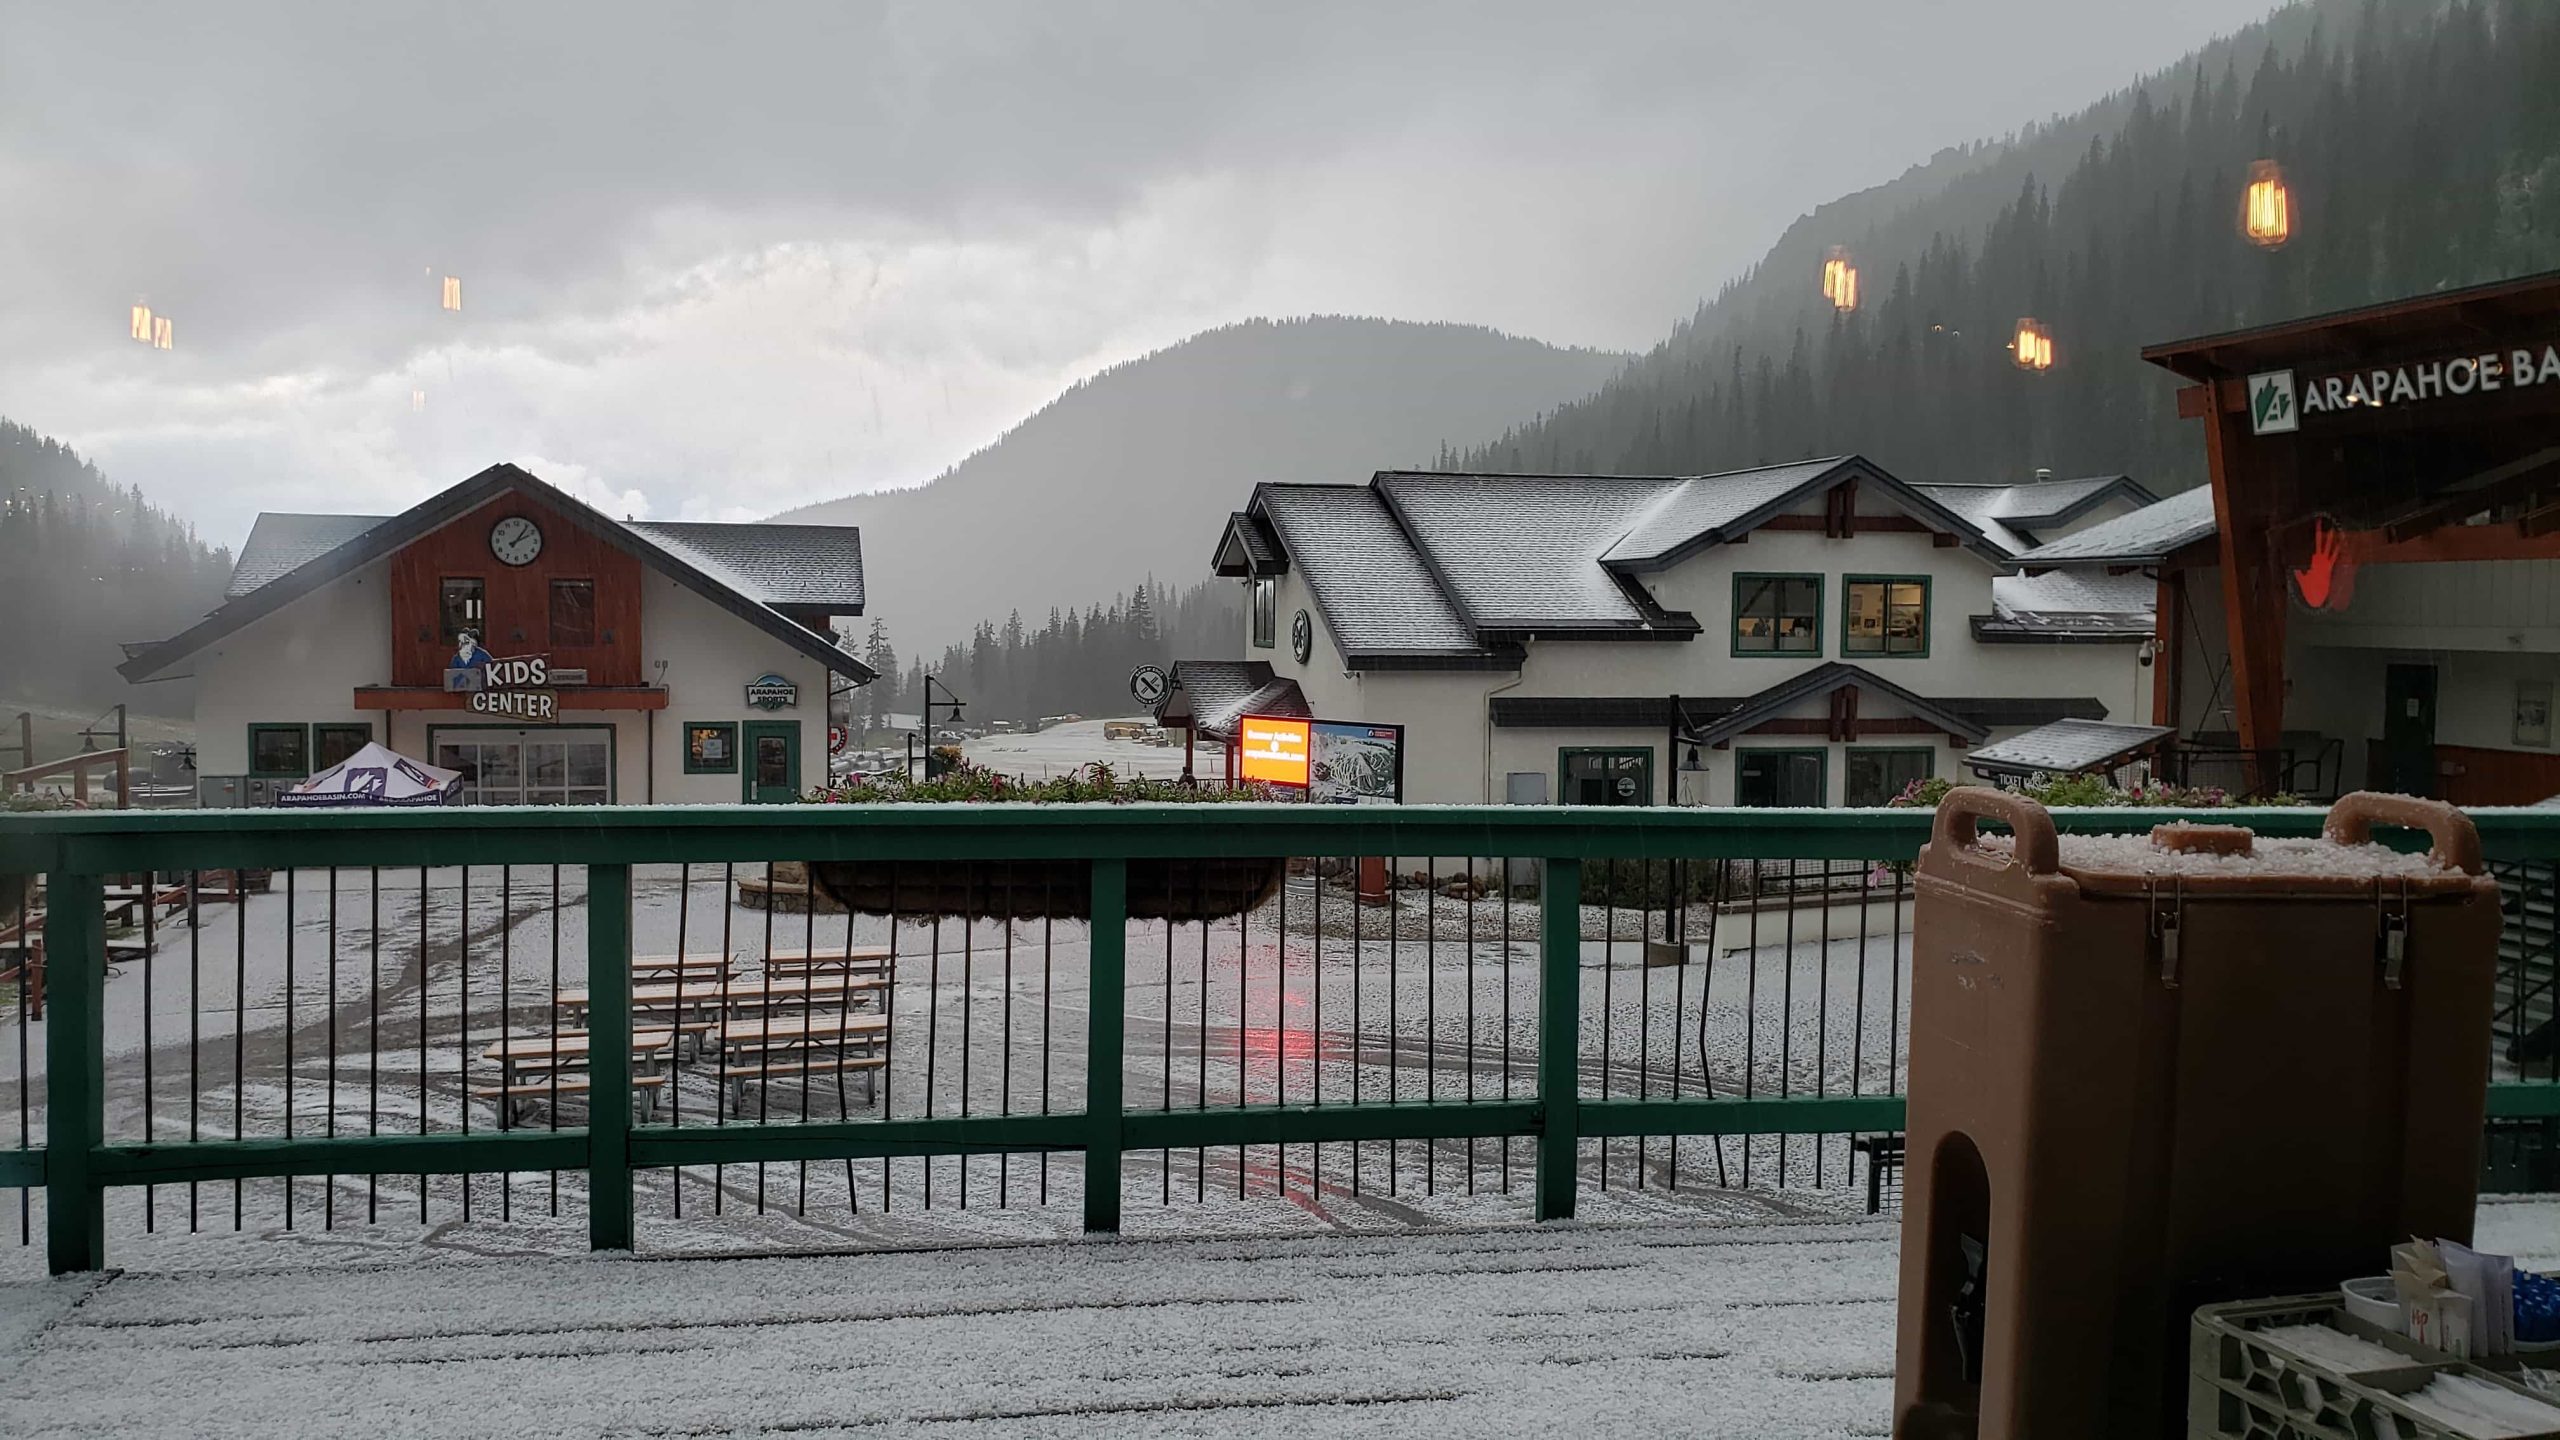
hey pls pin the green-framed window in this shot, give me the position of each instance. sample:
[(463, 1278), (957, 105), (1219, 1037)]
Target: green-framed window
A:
[(1885, 615), (1266, 613), (280, 752), (1782, 778), (1604, 775), (711, 747), (1878, 773), (1777, 615), (333, 743)]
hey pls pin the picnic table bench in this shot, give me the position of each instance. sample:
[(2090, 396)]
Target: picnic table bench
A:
[(682, 967), (860, 960), (541, 1067), (711, 998), (1884, 1157), (753, 1052)]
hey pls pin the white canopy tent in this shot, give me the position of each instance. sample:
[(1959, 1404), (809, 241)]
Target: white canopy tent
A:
[(375, 775)]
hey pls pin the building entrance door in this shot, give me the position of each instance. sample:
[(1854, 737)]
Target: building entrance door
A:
[(773, 761), (548, 765), (2408, 730)]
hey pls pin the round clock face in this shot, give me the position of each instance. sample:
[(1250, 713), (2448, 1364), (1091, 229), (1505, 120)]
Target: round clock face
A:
[(515, 540), (1302, 636)]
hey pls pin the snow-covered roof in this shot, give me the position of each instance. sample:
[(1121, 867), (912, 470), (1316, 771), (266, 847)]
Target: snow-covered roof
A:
[(1377, 595), (2149, 534), (1524, 552), (2083, 603), (1702, 503), (280, 542), (2011, 514), (2065, 747)]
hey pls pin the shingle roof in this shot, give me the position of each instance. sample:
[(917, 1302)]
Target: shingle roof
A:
[(813, 565), (280, 542), (1257, 551), (2064, 747), (1653, 712), (1521, 552), (1377, 595), (1822, 680), (698, 572), (1703, 503), (2149, 534), (2010, 513)]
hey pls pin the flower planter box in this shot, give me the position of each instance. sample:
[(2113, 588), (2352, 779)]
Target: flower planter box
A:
[(1180, 889)]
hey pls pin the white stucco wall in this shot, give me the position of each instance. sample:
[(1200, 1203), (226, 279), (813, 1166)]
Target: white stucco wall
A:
[(706, 656), (300, 665)]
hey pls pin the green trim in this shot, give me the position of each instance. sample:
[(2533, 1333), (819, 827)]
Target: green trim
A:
[(748, 733), (612, 754), (2524, 1100), (684, 743), (75, 1068), (1559, 1038), (1928, 616), (1733, 627), (444, 1153), (1106, 1025), (296, 729), (21, 1169), (1928, 755), (1565, 756), (1821, 758), (1264, 637), (1770, 1115)]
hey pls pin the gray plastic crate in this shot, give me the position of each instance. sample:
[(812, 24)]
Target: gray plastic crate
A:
[(2244, 1386)]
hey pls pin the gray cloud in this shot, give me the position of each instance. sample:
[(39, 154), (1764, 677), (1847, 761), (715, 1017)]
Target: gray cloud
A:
[(733, 257)]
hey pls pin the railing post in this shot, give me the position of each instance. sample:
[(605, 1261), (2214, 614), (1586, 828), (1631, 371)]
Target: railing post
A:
[(1559, 1036), (1108, 991), (75, 1120), (609, 1057)]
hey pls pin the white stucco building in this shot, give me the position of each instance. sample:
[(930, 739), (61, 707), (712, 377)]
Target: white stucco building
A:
[(685, 662), (1820, 633)]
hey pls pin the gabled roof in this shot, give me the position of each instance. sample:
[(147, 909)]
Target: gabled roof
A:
[(1211, 695), (279, 544), (2145, 537), (2011, 514), (2089, 604), (1378, 597), (1248, 548), (1821, 681), (679, 551)]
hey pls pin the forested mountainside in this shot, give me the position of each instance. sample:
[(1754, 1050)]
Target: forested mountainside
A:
[(1067, 663), (1132, 472), (2421, 146), (84, 566)]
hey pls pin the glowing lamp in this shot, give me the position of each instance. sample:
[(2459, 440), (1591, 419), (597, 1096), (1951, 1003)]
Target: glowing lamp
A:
[(2033, 347), (142, 323), (161, 339), (2267, 212), (417, 402), (452, 292)]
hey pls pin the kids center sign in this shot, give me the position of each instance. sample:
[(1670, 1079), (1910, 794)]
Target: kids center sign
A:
[(2277, 402), (517, 688)]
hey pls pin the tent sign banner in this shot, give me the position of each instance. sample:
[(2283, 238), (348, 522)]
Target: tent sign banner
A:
[(1273, 750), (517, 687), (2275, 407)]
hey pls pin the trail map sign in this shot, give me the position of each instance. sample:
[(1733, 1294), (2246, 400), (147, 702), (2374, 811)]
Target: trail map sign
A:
[(1354, 764), (517, 687), (1147, 685)]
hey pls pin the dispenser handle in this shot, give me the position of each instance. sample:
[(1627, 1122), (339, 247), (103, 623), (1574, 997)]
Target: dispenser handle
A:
[(2456, 841), (2038, 850)]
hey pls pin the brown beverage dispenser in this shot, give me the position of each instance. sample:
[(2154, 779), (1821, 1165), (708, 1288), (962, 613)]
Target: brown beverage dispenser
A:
[(2148, 1077)]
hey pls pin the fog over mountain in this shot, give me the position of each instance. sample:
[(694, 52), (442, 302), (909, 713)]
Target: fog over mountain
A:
[(1132, 472)]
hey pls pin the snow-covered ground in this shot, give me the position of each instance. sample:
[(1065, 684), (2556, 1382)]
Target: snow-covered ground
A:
[(1061, 749), (1765, 1330)]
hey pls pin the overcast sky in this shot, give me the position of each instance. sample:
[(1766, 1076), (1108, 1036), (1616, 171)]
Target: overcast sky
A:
[(717, 261)]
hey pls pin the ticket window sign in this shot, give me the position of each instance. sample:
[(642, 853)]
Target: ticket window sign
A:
[(1273, 750)]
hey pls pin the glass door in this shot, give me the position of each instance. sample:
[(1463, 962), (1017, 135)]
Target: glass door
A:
[(773, 761)]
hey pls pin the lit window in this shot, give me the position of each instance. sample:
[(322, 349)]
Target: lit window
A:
[(1885, 615)]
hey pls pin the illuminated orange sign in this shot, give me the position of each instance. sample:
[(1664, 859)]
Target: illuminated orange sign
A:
[(1273, 751)]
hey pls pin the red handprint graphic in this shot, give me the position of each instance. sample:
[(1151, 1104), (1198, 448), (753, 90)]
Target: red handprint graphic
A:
[(2329, 581)]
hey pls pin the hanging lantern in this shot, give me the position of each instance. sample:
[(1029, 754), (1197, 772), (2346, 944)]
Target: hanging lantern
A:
[(452, 292), (2033, 347), (161, 339), (142, 323), (1840, 280), (2266, 214)]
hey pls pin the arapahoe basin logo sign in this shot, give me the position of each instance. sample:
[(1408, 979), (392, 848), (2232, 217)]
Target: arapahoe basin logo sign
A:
[(772, 692)]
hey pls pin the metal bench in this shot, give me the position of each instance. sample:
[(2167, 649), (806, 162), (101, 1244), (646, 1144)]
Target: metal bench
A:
[(1884, 1157)]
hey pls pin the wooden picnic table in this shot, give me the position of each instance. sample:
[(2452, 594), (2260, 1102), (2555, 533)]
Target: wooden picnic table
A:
[(778, 1032), (734, 994), (681, 966), (540, 1069), (564, 1049), (758, 1052), (805, 961)]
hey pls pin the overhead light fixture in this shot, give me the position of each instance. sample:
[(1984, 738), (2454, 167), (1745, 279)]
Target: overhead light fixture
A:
[(142, 322), (453, 292), (161, 337), (1840, 280), (2033, 347)]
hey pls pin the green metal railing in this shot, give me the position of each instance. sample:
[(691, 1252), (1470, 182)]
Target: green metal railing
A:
[(77, 1164)]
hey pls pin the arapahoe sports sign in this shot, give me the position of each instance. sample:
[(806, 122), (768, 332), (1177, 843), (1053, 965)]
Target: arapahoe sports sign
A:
[(2277, 404)]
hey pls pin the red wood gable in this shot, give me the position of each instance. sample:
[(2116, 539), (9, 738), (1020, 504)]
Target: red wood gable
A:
[(517, 614)]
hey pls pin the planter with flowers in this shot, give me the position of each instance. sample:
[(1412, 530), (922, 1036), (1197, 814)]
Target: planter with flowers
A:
[(1181, 888)]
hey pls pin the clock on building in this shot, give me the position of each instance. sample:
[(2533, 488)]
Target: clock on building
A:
[(515, 540), (1302, 636)]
